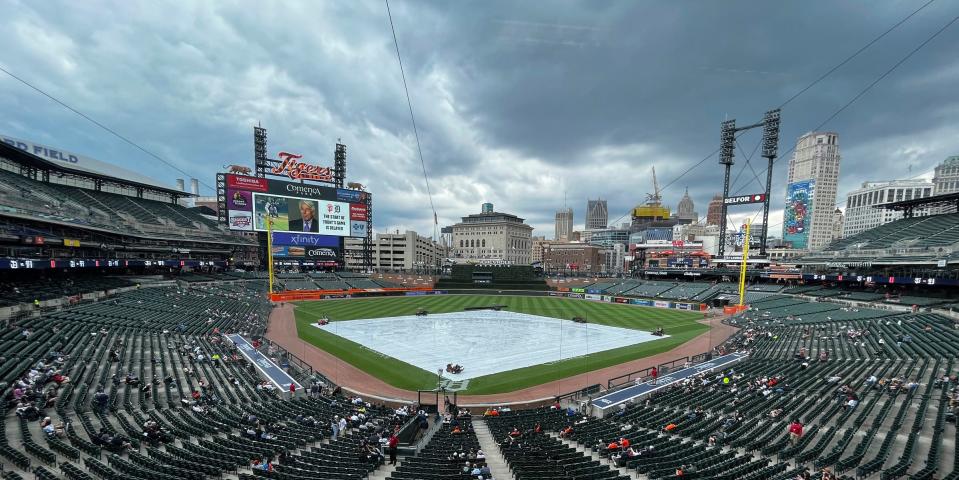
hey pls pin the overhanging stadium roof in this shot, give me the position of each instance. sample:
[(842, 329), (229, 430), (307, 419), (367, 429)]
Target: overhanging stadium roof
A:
[(934, 201), (33, 161)]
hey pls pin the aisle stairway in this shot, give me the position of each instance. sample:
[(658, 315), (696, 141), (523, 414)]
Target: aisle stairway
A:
[(494, 459)]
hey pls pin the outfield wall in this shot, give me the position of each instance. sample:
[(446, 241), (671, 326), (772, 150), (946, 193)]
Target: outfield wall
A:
[(359, 293)]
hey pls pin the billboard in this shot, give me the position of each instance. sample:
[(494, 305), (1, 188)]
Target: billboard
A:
[(315, 253), (797, 215), (252, 202), (745, 199)]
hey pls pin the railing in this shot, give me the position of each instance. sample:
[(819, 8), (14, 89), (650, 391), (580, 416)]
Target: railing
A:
[(296, 366), (578, 394), (662, 369)]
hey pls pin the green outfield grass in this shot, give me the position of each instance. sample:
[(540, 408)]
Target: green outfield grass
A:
[(680, 325)]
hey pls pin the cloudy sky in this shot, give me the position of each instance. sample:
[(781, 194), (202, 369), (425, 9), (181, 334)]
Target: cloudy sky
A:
[(524, 104)]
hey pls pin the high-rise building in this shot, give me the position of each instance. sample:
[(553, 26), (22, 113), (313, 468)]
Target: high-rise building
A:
[(946, 180), (714, 214), (861, 212), (494, 237), (838, 220), (597, 214), (536, 253), (686, 210), (564, 224), (946, 176), (811, 191)]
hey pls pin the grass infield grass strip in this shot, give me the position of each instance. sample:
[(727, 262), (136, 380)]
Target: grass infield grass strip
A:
[(680, 325)]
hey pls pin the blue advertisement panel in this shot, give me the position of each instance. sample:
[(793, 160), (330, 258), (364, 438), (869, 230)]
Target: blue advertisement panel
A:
[(796, 216), (636, 301), (305, 240)]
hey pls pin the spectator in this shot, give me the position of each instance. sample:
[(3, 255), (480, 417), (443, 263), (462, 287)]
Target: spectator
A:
[(393, 443), (795, 432)]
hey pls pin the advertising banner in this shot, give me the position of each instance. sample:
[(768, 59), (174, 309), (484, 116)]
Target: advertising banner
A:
[(576, 295), (240, 220), (358, 228), (333, 219), (239, 200), (578, 290), (607, 298), (745, 199), (357, 211), (636, 301), (313, 253), (321, 253), (620, 300), (305, 240), (242, 182), (661, 304), (797, 215), (351, 196), (594, 297)]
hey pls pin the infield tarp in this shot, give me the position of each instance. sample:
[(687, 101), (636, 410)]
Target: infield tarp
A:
[(484, 342)]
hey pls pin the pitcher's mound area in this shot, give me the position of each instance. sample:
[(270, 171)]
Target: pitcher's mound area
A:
[(484, 342)]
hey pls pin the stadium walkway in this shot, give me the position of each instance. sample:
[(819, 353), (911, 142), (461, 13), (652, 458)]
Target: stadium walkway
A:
[(282, 331)]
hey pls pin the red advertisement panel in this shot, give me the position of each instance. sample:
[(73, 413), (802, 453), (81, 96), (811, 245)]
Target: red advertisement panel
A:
[(242, 182)]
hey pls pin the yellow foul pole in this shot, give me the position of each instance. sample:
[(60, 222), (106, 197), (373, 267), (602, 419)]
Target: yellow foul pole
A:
[(269, 250), (742, 267)]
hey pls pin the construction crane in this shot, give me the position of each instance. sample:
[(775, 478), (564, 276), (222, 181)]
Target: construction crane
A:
[(654, 198)]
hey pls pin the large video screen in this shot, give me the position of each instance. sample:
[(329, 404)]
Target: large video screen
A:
[(291, 207), (292, 214), (796, 216)]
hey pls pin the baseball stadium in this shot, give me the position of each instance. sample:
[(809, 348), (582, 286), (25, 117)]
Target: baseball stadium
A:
[(281, 326)]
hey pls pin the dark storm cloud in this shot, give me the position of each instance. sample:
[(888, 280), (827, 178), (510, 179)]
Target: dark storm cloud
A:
[(519, 103)]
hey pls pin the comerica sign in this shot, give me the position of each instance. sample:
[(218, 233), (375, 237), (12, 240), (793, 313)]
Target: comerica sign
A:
[(297, 170)]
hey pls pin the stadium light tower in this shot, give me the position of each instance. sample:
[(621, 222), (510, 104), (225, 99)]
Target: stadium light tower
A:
[(770, 151), (727, 148)]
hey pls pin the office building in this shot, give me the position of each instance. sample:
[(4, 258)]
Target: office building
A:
[(536, 252), (564, 224), (564, 257), (493, 237), (686, 210), (861, 212), (608, 238), (946, 180), (838, 220), (812, 180), (597, 214), (946, 176), (397, 252), (714, 214)]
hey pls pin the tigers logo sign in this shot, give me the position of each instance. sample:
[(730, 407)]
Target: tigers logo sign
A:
[(298, 170)]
